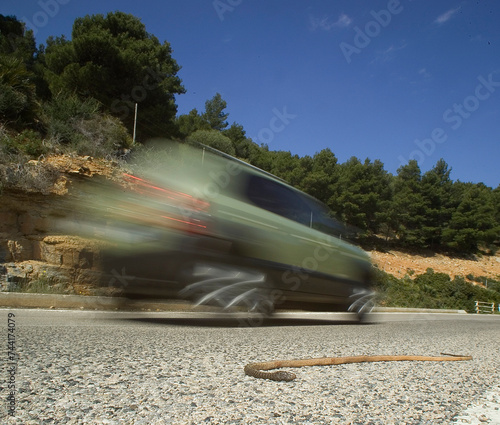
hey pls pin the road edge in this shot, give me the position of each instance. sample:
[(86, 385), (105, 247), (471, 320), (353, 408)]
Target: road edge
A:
[(82, 302)]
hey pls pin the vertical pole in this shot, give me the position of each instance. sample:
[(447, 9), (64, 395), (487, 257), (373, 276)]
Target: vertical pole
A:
[(135, 124)]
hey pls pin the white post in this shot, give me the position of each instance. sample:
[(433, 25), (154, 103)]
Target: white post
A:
[(135, 124)]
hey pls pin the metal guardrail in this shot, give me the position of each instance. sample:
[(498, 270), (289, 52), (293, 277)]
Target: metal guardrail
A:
[(485, 308)]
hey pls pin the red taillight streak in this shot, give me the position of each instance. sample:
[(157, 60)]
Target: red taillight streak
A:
[(147, 184), (171, 194), (144, 215)]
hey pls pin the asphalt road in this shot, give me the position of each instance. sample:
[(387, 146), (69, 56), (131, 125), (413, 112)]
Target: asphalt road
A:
[(185, 368)]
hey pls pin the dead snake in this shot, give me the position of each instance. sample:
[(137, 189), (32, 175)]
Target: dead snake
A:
[(261, 370)]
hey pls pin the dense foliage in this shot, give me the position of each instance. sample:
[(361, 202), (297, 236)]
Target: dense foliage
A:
[(435, 291), (114, 60), (79, 95)]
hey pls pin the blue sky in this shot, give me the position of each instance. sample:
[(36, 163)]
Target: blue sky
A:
[(390, 80)]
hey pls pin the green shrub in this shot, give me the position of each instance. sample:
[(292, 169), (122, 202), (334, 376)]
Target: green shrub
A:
[(28, 142), (62, 111), (431, 290), (18, 103), (27, 176), (492, 284), (100, 135), (80, 127), (17, 171), (214, 139)]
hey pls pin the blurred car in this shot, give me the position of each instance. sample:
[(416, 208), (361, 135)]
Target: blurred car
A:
[(215, 230)]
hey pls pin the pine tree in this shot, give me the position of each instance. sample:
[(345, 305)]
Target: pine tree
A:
[(115, 60), (439, 202), (321, 175), (214, 113), (472, 223), (361, 194), (409, 205), (188, 124)]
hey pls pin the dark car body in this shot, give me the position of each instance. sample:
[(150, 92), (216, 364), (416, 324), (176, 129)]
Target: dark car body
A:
[(218, 231)]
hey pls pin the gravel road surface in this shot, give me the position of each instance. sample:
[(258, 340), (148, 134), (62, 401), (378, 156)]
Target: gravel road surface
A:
[(78, 367)]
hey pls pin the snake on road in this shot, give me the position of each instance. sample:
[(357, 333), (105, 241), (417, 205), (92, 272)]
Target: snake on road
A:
[(262, 370)]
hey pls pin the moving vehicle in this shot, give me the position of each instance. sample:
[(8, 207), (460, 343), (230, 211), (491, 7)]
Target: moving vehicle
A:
[(215, 230)]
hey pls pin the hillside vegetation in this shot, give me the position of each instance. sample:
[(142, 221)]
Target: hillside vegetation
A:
[(77, 98)]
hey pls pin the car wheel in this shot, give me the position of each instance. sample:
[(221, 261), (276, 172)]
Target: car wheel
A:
[(362, 303), (232, 287)]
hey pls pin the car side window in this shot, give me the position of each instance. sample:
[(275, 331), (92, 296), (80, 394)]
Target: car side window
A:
[(276, 198), (324, 223)]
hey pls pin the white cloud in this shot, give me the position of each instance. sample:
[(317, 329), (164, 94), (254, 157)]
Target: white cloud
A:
[(446, 16), (389, 53), (326, 24), (424, 73), (343, 21), (393, 49)]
